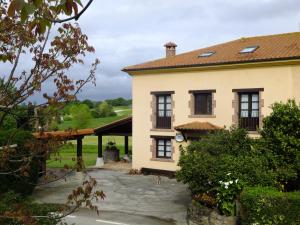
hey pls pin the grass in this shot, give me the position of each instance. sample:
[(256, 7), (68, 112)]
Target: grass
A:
[(67, 154), (122, 112)]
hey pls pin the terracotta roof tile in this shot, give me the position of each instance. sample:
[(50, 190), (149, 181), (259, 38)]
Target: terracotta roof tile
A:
[(197, 126), (270, 48)]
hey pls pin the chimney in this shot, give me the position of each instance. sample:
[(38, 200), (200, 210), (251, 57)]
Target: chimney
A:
[(170, 49)]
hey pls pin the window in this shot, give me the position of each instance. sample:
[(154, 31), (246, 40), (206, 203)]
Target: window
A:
[(206, 54), (163, 111), (163, 148), (203, 103), (249, 111), (249, 49)]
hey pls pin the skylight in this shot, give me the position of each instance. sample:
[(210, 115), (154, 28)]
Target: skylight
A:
[(206, 54), (249, 49)]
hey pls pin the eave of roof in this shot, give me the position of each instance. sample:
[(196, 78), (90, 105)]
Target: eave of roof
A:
[(280, 61), (197, 126), (63, 134)]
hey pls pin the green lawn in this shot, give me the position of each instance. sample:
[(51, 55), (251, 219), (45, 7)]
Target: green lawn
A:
[(67, 154), (122, 112)]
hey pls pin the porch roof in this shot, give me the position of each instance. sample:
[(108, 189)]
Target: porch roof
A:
[(122, 127), (197, 126)]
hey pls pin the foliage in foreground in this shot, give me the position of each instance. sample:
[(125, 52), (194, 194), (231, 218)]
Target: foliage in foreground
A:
[(281, 137), (22, 176), (205, 163), (266, 205), (273, 160), (20, 209)]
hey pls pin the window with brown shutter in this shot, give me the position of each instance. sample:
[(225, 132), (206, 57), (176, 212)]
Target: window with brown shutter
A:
[(203, 103)]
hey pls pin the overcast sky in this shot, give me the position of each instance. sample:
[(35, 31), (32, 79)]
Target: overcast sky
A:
[(126, 32)]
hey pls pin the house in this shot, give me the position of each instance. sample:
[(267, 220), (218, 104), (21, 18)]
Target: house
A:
[(233, 83)]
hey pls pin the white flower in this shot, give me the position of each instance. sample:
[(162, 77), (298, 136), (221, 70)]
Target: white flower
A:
[(226, 186), (221, 182), (231, 182), (236, 181), (226, 183), (228, 174)]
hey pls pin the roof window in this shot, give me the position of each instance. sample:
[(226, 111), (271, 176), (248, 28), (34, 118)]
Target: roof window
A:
[(249, 49), (206, 54)]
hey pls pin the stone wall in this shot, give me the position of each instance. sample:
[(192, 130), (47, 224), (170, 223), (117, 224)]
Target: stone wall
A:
[(200, 215)]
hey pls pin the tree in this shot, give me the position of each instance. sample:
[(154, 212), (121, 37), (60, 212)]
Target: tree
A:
[(81, 115), (105, 110), (281, 136), (88, 102), (25, 28)]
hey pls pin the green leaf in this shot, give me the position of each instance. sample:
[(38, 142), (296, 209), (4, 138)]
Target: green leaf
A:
[(24, 15), (37, 3), (79, 2)]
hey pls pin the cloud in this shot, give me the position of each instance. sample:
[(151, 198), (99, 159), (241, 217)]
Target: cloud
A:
[(126, 32)]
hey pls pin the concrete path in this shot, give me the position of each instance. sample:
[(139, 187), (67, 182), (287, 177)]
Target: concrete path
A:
[(131, 200)]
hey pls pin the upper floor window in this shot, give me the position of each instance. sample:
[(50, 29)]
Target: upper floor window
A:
[(249, 111), (163, 111), (203, 103)]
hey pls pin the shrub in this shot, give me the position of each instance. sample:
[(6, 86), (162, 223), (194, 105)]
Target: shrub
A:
[(11, 202), (266, 205), (227, 193), (105, 110), (281, 136), (18, 182), (204, 163)]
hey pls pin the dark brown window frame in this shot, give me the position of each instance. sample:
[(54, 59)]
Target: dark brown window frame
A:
[(249, 123), (164, 139), (196, 109), (164, 122)]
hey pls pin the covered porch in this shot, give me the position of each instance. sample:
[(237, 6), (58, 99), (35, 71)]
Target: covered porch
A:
[(122, 127)]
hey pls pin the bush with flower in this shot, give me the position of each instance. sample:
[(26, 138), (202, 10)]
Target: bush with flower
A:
[(227, 193)]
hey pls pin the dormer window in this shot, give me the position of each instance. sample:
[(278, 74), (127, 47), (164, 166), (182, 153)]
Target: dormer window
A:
[(206, 54), (249, 49)]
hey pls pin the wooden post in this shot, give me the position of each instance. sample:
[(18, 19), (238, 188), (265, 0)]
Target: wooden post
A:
[(79, 147), (126, 145), (99, 146)]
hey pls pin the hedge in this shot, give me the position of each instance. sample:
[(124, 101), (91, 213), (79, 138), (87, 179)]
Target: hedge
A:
[(266, 205)]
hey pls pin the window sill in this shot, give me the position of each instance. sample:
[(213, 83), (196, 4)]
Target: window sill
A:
[(202, 116), (162, 130), (253, 132), (162, 160)]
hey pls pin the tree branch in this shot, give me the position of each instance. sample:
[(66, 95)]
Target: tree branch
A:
[(76, 17)]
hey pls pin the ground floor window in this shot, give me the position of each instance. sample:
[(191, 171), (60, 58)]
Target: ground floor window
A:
[(163, 148)]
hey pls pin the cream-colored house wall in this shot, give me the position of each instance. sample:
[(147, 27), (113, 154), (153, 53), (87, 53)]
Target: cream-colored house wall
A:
[(279, 83), (296, 83)]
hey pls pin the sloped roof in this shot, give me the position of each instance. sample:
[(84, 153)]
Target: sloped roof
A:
[(270, 48), (197, 126), (118, 127)]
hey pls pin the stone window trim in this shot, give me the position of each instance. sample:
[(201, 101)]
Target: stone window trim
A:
[(153, 105), (153, 148), (191, 104), (235, 106)]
